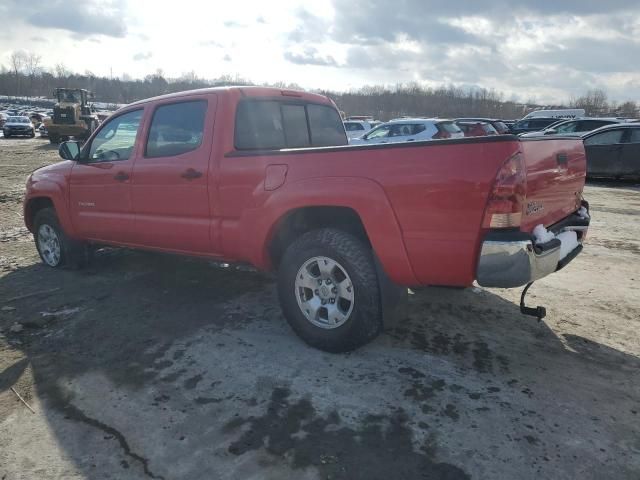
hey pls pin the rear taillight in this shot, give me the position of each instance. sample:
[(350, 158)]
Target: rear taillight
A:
[(442, 134), (506, 200)]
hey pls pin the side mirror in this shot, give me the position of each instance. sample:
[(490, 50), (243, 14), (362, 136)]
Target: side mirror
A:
[(69, 150)]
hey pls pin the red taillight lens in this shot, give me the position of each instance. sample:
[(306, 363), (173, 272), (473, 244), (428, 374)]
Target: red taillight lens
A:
[(506, 200), (442, 134)]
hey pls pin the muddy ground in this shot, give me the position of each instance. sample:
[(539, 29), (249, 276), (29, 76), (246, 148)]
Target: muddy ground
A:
[(165, 367)]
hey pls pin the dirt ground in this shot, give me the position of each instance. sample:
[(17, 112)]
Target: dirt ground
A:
[(150, 365)]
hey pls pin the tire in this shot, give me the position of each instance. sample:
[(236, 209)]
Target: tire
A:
[(7, 135), (33, 134), (55, 248), (360, 319), (54, 138)]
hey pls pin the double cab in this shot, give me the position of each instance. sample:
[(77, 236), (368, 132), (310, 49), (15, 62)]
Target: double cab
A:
[(266, 176)]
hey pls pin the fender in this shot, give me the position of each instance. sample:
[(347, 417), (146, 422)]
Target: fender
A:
[(366, 197), (53, 190)]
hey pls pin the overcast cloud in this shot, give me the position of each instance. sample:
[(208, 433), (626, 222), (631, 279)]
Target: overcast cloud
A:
[(543, 50)]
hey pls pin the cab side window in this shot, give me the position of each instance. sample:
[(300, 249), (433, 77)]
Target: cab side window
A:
[(116, 139), (176, 129)]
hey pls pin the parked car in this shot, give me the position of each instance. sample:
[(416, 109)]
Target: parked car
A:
[(44, 133), (532, 125), (613, 151), (15, 126), (474, 128), (347, 228), (562, 113), (410, 130), (574, 127), (356, 128), (500, 127), (3, 119)]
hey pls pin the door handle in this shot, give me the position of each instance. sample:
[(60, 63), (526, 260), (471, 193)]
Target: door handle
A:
[(191, 174), (121, 177), (562, 158)]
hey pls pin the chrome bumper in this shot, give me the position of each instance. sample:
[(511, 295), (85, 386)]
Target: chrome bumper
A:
[(514, 260)]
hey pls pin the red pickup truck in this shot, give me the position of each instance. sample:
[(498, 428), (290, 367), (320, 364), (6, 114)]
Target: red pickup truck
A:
[(265, 176)]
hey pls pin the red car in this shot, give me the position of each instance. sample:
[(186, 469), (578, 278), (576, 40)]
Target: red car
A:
[(475, 128), (265, 176), (501, 127)]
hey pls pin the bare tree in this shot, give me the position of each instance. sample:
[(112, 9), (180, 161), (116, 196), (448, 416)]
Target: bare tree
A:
[(594, 102), (17, 60), (628, 109), (32, 66), (62, 74)]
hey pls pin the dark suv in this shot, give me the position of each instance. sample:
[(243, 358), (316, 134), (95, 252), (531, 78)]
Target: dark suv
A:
[(532, 124)]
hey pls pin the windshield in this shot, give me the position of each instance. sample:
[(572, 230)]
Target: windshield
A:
[(379, 132), (18, 120), (568, 127), (69, 96)]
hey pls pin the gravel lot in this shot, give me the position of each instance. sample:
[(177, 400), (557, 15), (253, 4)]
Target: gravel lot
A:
[(157, 366)]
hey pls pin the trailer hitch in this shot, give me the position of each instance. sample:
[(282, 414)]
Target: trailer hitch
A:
[(538, 312)]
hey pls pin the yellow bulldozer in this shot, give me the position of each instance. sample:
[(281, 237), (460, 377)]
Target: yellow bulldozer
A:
[(73, 115)]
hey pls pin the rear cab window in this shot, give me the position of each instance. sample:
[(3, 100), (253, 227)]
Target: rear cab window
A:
[(276, 124)]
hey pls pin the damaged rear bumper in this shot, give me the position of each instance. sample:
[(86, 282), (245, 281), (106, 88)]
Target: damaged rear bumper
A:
[(513, 259)]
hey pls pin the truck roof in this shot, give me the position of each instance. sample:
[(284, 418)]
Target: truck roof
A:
[(243, 91)]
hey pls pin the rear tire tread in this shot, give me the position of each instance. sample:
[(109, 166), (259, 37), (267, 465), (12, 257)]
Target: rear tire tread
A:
[(365, 322)]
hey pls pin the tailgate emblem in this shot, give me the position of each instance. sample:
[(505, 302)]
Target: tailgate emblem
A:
[(534, 207)]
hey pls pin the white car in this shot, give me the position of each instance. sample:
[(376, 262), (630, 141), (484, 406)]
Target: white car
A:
[(410, 130), (574, 128), (567, 113), (356, 128)]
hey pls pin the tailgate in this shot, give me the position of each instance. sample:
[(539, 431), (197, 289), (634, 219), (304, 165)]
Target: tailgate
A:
[(556, 172)]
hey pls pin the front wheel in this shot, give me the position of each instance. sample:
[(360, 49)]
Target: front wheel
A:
[(54, 247), (329, 290)]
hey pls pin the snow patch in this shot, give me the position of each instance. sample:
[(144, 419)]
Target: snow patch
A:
[(568, 240), (583, 213), (569, 243), (542, 234)]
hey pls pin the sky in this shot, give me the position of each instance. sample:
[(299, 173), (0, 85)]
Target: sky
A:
[(543, 51)]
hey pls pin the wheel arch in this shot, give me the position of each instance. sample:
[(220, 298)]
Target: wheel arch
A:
[(358, 205), (48, 195)]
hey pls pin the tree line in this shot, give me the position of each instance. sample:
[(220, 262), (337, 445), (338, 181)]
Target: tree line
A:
[(25, 77)]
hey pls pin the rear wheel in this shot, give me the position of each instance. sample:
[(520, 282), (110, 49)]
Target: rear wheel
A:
[(329, 290), (54, 138)]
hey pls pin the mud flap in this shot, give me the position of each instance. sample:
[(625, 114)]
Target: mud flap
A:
[(394, 298)]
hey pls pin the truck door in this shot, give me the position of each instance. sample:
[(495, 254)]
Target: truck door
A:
[(603, 152), (170, 186), (99, 187)]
